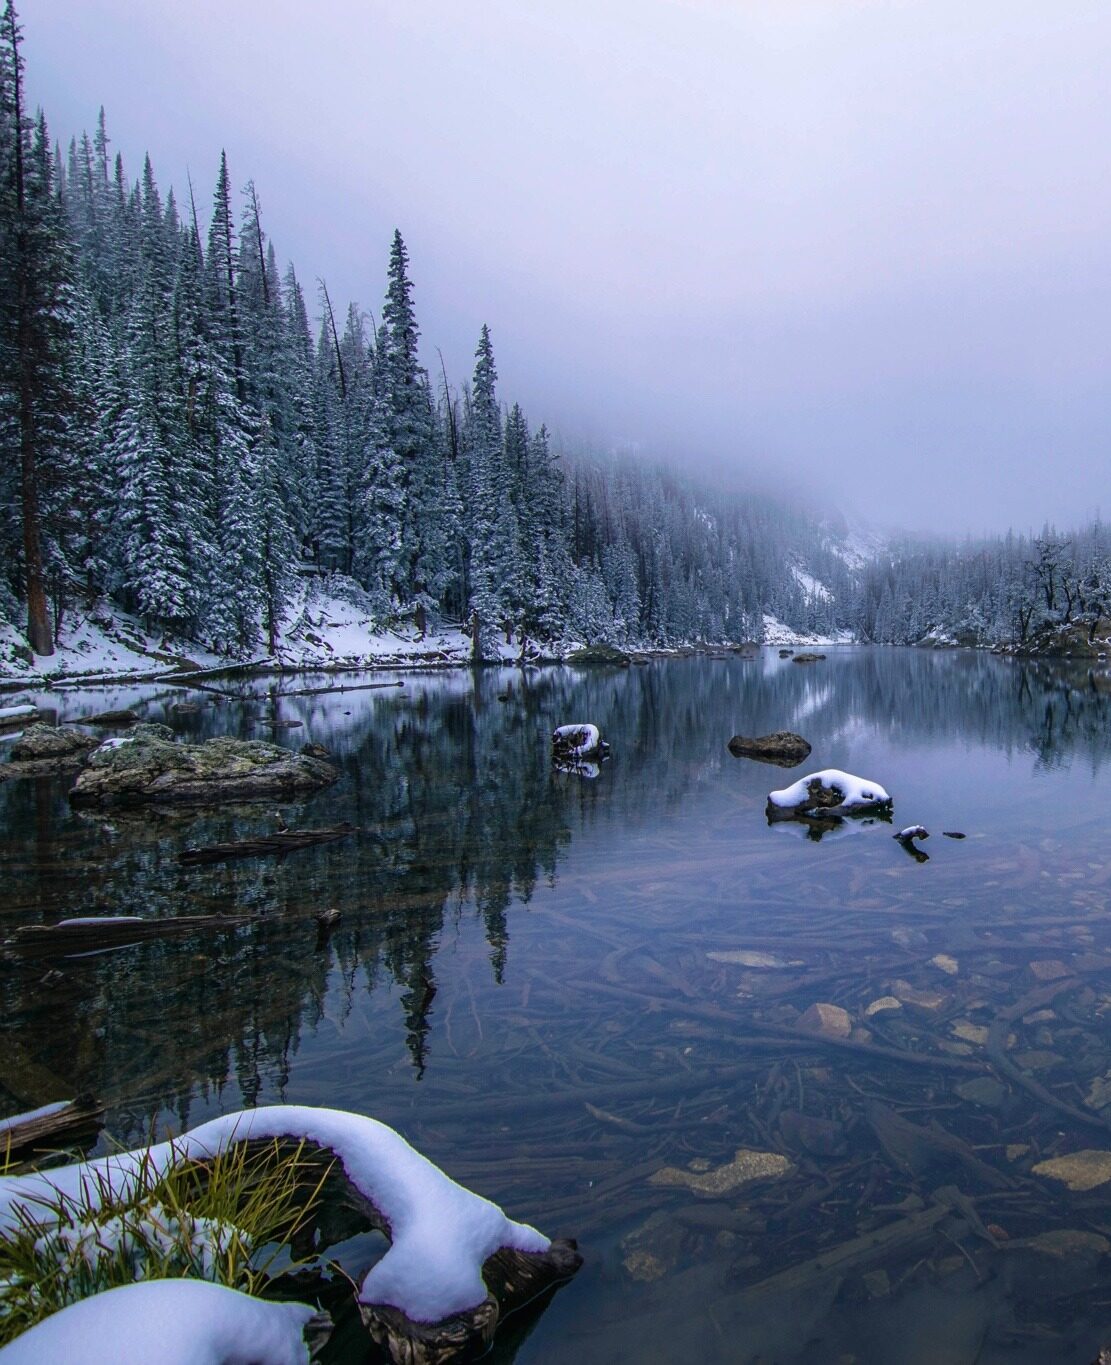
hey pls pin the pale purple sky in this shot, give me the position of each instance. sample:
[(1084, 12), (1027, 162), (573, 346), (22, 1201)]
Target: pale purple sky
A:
[(864, 243)]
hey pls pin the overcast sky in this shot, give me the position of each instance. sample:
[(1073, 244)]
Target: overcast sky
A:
[(861, 243)]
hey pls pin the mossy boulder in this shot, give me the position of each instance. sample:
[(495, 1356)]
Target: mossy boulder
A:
[(149, 766), (39, 742)]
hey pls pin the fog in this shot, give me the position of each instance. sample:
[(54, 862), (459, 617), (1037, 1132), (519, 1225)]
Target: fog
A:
[(859, 246)]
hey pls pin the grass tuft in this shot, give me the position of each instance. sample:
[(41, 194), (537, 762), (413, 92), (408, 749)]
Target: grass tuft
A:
[(226, 1219)]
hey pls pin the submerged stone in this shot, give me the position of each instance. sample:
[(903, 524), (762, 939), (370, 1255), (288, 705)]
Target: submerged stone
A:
[(1080, 1171), (829, 1020), (746, 1166)]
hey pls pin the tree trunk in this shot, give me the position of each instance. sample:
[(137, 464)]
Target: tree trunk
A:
[(39, 635)]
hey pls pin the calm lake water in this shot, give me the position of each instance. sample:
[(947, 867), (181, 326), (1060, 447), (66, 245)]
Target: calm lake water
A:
[(532, 981)]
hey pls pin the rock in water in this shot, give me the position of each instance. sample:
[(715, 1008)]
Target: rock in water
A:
[(830, 790), (150, 767), (782, 748), (44, 741), (599, 654), (578, 743)]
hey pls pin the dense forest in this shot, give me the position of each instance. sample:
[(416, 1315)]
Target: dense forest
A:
[(180, 437), (185, 434), (1038, 593)]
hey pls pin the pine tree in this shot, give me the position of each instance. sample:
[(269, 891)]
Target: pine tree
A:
[(35, 320)]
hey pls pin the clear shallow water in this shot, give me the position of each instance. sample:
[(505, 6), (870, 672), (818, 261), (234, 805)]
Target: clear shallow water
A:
[(497, 915)]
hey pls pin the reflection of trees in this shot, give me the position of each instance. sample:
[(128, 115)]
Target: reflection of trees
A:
[(461, 813)]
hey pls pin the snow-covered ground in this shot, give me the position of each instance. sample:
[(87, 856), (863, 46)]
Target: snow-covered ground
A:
[(328, 626), (102, 641), (776, 633)]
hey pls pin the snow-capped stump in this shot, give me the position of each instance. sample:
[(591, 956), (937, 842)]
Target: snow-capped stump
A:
[(782, 748), (578, 743), (455, 1263), (150, 766), (831, 793)]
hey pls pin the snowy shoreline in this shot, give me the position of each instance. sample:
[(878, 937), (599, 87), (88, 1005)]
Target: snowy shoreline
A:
[(324, 635)]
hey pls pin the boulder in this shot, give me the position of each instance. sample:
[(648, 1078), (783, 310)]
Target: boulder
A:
[(830, 791), (599, 654), (807, 658), (782, 748), (150, 767), (40, 742)]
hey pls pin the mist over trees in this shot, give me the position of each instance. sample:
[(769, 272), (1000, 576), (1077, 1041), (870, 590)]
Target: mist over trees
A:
[(178, 436), (1022, 591)]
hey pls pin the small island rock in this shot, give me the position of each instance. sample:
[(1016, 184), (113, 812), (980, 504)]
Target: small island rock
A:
[(40, 742), (783, 748), (150, 767)]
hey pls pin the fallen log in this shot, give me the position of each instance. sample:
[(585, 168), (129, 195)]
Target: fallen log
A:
[(281, 842), (126, 717), (108, 931), (323, 691), (50, 1124)]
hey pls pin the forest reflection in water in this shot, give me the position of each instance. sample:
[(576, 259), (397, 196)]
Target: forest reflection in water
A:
[(522, 980)]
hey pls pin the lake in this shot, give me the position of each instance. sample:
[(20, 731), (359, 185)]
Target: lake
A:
[(558, 985)]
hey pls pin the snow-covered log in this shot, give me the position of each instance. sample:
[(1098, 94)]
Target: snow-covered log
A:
[(16, 715), (173, 1322), (830, 792), (455, 1261), (576, 743)]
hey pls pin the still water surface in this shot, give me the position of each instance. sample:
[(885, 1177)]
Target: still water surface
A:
[(522, 983)]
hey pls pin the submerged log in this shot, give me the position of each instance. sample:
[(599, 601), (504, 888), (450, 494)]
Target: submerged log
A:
[(281, 842), (109, 931)]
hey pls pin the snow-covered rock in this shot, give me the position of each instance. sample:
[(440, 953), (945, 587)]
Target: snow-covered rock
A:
[(575, 743), (832, 792)]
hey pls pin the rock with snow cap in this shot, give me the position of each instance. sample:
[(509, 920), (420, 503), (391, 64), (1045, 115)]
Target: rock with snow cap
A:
[(578, 743), (829, 792)]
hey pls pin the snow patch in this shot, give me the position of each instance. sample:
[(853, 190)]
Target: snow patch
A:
[(173, 1322), (776, 633)]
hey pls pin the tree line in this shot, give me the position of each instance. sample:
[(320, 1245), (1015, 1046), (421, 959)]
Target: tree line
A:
[(180, 437)]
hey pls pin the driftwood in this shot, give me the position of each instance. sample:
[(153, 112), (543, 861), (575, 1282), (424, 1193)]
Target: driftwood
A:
[(324, 691), (281, 842), (83, 1115), (85, 935)]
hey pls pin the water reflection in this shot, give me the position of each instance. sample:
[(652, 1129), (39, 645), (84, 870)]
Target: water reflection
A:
[(487, 891)]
